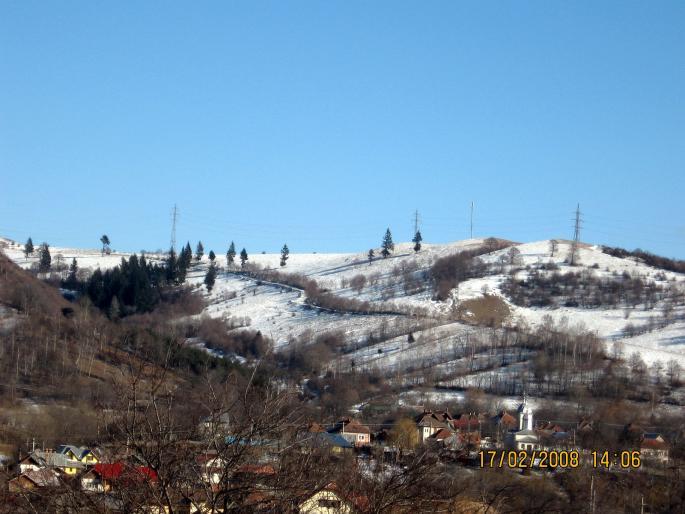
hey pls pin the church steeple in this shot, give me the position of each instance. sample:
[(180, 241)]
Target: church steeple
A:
[(525, 415)]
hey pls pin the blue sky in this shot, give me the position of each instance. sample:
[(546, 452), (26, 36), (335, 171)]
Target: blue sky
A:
[(320, 124)]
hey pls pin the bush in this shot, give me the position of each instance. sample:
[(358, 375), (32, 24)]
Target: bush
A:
[(448, 272)]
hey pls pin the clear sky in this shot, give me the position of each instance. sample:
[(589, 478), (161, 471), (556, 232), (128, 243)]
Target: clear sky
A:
[(321, 123)]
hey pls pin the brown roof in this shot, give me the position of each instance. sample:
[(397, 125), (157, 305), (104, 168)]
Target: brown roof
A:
[(441, 434), (350, 427), (315, 427), (465, 422), (504, 418), (44, 477), (430, 419)]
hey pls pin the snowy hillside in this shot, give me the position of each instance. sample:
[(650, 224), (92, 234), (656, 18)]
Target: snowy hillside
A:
[(401, 284)]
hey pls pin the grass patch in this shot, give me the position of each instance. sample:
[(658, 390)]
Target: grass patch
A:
[(488, 310)]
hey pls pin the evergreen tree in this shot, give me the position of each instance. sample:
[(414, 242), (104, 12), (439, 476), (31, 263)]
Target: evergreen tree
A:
[(417, 241), (285, 253), (212, 255), (371, 255), (28, 248), (186, 255), (230, 255), (181, 268), (199, 251), (44, 258), (210, 277), (387, 245), (171, 268), (72, 278), (133, 286), (243, 257), (183, 263), (105, 244)]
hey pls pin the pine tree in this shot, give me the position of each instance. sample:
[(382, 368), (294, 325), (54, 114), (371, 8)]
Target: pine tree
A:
[(72, 278), (199, 251), (187, 255), (210, 277), (230, 254), (371, 255), (212, 255), (243, 257), (181, 265), (44, 258), (105, 244), (28, 248), (171, 268), (417, 240), (285, 253), (387, 245)]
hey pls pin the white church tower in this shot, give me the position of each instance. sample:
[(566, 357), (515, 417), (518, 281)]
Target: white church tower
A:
[(525, 438), (525, 415)]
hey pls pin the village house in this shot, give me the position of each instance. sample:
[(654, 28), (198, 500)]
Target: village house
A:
[(505, 421), (429, 423), (211, 468), (332, 500), (103, 477), (443, 438), (335, 443), (654, 447), (33, 479), (78, 453), (353, 431), (39, 459), (470, 422)]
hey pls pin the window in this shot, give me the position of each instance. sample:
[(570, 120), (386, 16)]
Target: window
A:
[(329, 504)]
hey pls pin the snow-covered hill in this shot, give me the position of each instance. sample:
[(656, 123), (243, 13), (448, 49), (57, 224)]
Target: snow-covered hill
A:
[(401, 284)]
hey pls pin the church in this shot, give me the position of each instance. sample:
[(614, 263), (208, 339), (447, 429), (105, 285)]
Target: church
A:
[(525, 438)]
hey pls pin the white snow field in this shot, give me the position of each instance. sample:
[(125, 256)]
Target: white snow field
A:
[(281, 313)]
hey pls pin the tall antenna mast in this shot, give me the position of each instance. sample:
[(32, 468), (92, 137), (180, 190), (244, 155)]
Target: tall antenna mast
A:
[(416, 221), (471, 219), (576, 236), (174, 215)]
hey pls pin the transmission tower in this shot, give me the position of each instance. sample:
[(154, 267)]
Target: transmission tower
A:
[(416, 221), (576, 236), (174, 215), (471, 219)]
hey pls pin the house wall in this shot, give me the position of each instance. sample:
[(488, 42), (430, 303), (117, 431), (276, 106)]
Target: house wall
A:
[(325, 502)]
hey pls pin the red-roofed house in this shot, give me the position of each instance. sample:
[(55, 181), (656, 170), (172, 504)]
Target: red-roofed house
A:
[(653, 446), (102, 477)]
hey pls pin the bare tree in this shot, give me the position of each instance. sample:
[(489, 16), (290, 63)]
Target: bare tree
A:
[(553, 246)]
